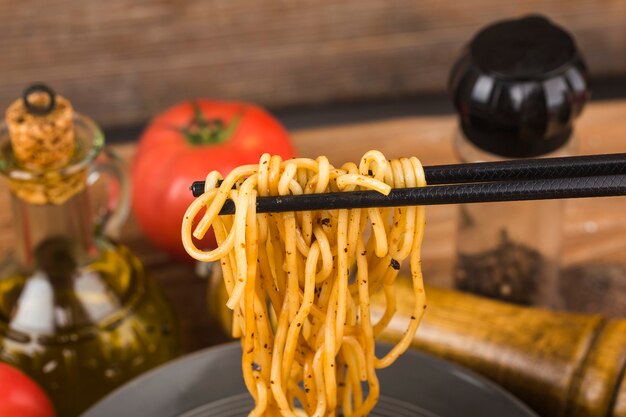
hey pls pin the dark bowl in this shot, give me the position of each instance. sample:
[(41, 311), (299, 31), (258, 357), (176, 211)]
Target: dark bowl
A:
[(209, 384)]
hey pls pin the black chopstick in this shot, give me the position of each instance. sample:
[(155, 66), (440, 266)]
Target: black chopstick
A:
[(528, 169), (525, 169), (543, 189)]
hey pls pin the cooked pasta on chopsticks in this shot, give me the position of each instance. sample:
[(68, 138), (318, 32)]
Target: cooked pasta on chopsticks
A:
[(299, 283)]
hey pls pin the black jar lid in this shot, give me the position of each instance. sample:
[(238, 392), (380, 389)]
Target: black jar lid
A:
[(518, 86)]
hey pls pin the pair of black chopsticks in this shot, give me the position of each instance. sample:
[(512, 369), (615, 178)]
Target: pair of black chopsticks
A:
[(530, 179)]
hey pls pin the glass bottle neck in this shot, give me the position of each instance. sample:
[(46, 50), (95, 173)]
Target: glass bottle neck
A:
[(41, 228)]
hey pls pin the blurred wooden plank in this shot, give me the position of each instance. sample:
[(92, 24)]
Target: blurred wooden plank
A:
[(595, 229), (121, 61)]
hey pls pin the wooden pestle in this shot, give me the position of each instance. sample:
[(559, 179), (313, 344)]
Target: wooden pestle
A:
[(560, 364)]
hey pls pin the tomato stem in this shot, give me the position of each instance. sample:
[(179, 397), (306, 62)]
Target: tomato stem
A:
[(202, 131)]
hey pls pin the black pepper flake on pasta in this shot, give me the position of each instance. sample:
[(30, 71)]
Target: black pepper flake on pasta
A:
[(256, 367), (345, 250), (364, 253), (307, 390), (412, 317), (394, 264)]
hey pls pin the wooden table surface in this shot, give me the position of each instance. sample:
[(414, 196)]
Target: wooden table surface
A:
[(595, 229)]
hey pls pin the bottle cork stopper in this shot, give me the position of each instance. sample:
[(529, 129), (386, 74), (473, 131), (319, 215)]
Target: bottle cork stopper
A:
[(43, 142), (41, 129)]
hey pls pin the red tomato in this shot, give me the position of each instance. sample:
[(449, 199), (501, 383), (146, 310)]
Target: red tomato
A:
[(20, 396), (183, 144)]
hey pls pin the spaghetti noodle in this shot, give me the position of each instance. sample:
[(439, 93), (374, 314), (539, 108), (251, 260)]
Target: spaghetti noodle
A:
[(299, 283)]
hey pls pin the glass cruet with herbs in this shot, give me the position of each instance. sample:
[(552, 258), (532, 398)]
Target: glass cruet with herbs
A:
[(77, 311), (518, 88)]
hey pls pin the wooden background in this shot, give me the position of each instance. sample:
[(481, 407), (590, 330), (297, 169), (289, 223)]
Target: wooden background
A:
[(121, 61), (594, 228)]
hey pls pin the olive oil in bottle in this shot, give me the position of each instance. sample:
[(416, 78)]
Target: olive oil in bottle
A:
[(77, 311), (81, 331)]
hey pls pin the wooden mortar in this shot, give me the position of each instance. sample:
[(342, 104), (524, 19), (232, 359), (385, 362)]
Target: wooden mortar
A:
[(560, 364)]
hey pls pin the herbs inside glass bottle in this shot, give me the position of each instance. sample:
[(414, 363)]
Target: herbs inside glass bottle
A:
[(518, 87)]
